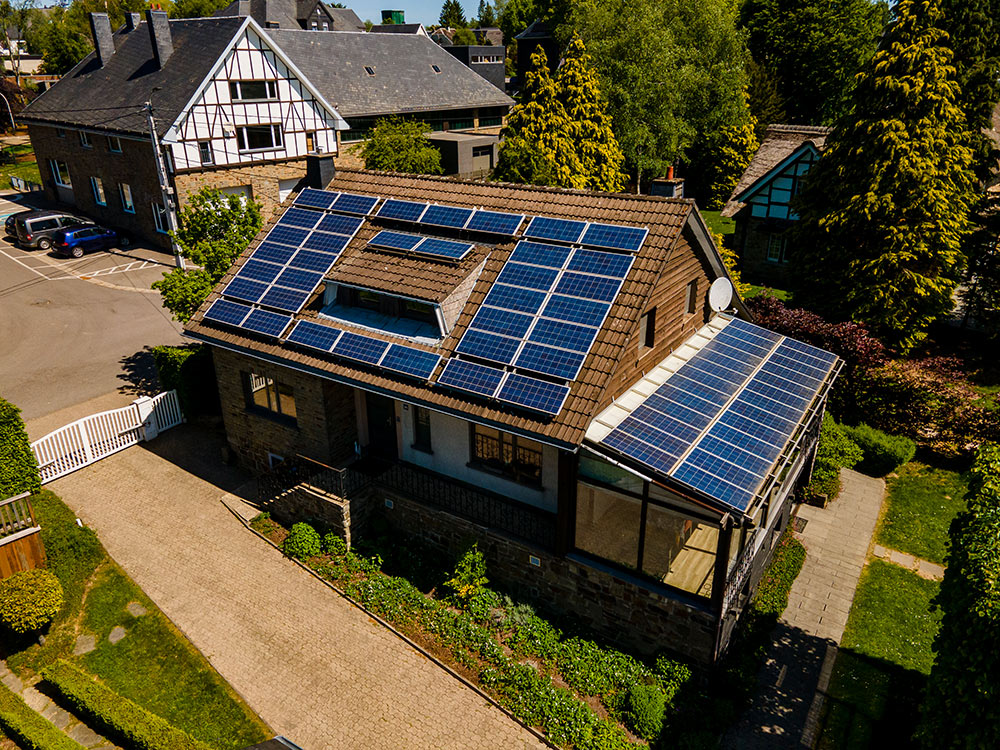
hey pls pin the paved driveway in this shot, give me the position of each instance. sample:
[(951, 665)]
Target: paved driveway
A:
[(315, 668)]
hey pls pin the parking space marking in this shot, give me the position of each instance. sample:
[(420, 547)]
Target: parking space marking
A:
[(136, 265)]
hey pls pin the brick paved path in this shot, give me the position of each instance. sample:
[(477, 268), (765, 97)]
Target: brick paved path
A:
[(797, 668), (314, 667)]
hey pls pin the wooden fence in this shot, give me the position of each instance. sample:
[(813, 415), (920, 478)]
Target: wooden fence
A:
[(20, 540)]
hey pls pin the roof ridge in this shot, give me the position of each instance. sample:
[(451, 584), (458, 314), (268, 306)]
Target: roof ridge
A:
[(811, 129)]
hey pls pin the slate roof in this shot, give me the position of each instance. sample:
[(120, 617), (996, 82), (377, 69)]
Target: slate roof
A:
[(665, 218), (396, 28), (112, 97), (284, 12), (779, 142), (345, 19), (403, 82)]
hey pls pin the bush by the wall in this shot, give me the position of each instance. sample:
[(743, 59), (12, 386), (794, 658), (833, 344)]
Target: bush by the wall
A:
[(469, 576), (29, 600), (18, 468), (835, 451), (143, 730), (645, 706), (883, 453), (28, 727), (771, 596), (191, 372), (302, 542), (334, 544)]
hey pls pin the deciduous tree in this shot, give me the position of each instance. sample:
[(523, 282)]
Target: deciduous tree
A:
[(196, 8), (398, 145)]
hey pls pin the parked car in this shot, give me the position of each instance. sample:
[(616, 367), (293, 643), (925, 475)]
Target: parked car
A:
[(8, 225), (36, 228), (86, 238)]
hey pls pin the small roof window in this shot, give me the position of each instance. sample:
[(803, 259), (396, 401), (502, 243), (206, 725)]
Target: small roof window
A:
[(435, 68), (369, 70)]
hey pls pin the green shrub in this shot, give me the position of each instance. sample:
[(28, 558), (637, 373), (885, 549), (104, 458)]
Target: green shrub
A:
[(28, 727), (645, 706), (334, 544), (191, 372), (29, 600), (883, 453), (836, 450), (671, 675), (120, 716), (302, 542), (771, 596), (469, 575), (18, 468)]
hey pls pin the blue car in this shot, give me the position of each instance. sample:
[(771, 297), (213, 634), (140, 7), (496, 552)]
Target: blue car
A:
[(86, 238)]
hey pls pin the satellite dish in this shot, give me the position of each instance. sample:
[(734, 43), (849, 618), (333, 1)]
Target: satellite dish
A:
[(721, 294)]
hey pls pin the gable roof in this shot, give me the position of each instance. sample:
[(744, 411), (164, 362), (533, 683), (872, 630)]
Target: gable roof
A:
[(404, 80), (398, 28), (779, 142), (345, 19), (292, 14), (665, 218), (112, 98)]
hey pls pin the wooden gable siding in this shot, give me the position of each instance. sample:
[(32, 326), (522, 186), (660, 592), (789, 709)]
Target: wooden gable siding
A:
[(772, 200), (673, 325)]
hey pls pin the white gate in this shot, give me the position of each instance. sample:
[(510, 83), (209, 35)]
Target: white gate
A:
[(92, 438)]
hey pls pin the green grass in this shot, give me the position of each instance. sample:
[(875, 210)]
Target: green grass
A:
[(780, 294), (25, 169), (922, 501), (719, 223)]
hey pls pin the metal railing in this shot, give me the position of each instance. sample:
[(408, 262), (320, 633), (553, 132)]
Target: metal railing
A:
[(16, 515), (342, 482)]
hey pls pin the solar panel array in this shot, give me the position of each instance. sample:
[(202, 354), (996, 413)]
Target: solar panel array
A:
[(451, 217), (414, 243), (254, 319), (347, 203), (609, 236), (510, 387), (721, 421)]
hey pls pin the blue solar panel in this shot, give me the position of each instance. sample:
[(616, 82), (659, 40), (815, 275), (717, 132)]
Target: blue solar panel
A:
[(468, 376), (268, 323), (488, 346), (410, 361), (561, 230), (533, 277), (362, 348), (328, 243), (605, 264), (539, 395), (293, 236), (591, 287), (346, 225), (446, 216), (245, 289), (576, 310), (511, 298), (315, 198), (712, 486), (314, 336), (401, 210), (259, 270), (566, 335), (299, 217), (312, 260), (297, 278), (645, 453), (548, 361), (224, 311), (274, 253), (444, 248), (355, 204), (395, 240), (495, 222), (615, 237), (289, 300), (505, 322), (538, 254)]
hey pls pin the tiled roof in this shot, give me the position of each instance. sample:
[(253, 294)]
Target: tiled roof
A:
[(664, 217)]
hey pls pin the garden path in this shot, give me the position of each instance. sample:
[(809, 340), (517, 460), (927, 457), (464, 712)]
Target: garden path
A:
[(923, 568)]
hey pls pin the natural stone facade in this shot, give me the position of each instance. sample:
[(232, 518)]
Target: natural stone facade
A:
[(263, 180), (753, 236)]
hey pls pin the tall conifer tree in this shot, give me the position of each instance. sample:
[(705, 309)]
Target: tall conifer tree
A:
[(885, 210)]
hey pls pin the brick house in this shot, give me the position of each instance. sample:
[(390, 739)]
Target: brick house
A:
[(760, 204), (231, 111), (542, 370)]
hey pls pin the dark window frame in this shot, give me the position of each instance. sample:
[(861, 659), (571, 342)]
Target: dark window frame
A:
[(647, 330), (85, 139), (422, 440), (272, 390), (114, 144), (206, 154), (243, 135), (237, 94), (691, 298), (504, 455)]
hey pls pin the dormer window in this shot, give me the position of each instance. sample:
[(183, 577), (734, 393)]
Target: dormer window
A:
[(253, 91), (369, 70)]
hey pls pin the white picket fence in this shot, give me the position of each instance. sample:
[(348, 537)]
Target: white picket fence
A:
[(92, 438)]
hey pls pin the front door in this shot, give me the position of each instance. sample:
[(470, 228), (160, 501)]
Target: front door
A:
[(381, 426)]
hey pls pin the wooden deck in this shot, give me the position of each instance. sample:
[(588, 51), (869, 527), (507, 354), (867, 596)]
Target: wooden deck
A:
[(20, 540)]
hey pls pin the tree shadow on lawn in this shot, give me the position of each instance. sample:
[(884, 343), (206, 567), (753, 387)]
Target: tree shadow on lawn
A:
[(139, 374)]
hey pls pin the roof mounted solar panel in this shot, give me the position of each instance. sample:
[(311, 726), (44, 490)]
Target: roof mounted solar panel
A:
[(576, 310), (547, 360), (314, 335), (299, 217), (488, 346), (350, 203), (361, 348), (615, 237), (289, 300), (401, 210), (532, 277), (599, 288), (292, 236), (395, 240), (315, 198), (446, 216), (273, 252), (495, 222), (615, 265), (504, 322), (532, 393), (471, 377), (329, 243), (246, 290), (259, 270), (266, 322), (298, 278), (560, 230), (539, 254), (444, 248), (513, 298), (225, 311), (337, 224), (571, 336), (312, 260), (409, 361)]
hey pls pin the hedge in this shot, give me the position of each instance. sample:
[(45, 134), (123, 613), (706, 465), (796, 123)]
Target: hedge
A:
[(883, 453), (142, 729), (18, 468), (771, 596), (836, 451), (28, 727), (29, 600), (191, 372)]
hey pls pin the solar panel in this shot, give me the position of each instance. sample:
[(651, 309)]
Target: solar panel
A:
[(533, 277), (268, 323), (533, 393), (273, 253), (561, 230), (615, 237), (538, 254), (315, 198), (505, 322), (329, 243), (336, 224), (576, 310), (488, 346), (615, 265), (512, 298), (590, 287), (362, 348), (312, 260), (446, 216), (259, 270), (293, 236), (299, 217), (289, 300), (230, 313), (546, 360), (444, 248), (355, 204), (395, 240), (245, 289), (566, 335), (401, 210), (314, 335), (495, 222), (471, 377), (297, 278), (410, 361)]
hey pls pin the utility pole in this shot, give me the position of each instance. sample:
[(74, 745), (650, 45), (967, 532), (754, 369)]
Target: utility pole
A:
[(166, 191)]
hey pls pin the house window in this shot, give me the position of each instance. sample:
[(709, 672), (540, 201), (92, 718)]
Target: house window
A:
[(253, 91), (480, 151), (777, 248), (60, 173), (436, 69), (310, 141), (326, 25), (369, 70), (422, 429), (98, 188), (507, 455), (205, 153), (85, 139), (114, 144), (490, 117), (259, 137), (125, 191), (313, 26), (60, 133), (159, 217), (691, 298), (647, 330), (267, 396)]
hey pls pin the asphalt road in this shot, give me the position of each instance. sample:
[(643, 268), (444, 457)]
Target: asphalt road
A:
[(76, 330)]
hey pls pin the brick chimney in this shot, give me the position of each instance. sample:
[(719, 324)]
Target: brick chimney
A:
[(319, 170), (104, 43), (132, 21), (159, 36)]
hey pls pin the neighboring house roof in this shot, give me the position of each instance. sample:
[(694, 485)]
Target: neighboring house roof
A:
[(404, 80), (345, 19), (489, 35), (113, 97), (537, 30), (398, 28), (283, 12), (779, 142)]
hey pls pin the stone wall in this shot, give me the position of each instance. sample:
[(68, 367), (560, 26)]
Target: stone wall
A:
[(752, 238), (262, 178), (322, 509)]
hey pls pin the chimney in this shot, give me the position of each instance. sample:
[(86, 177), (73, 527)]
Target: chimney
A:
[(104, 43), (159, 36), (243, 8), (132, 21), (319, 170)]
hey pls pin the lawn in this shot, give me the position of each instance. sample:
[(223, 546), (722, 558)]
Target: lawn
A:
[(779, 294), (718, 223), (921, 503), (153, 665), (25, 165)]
